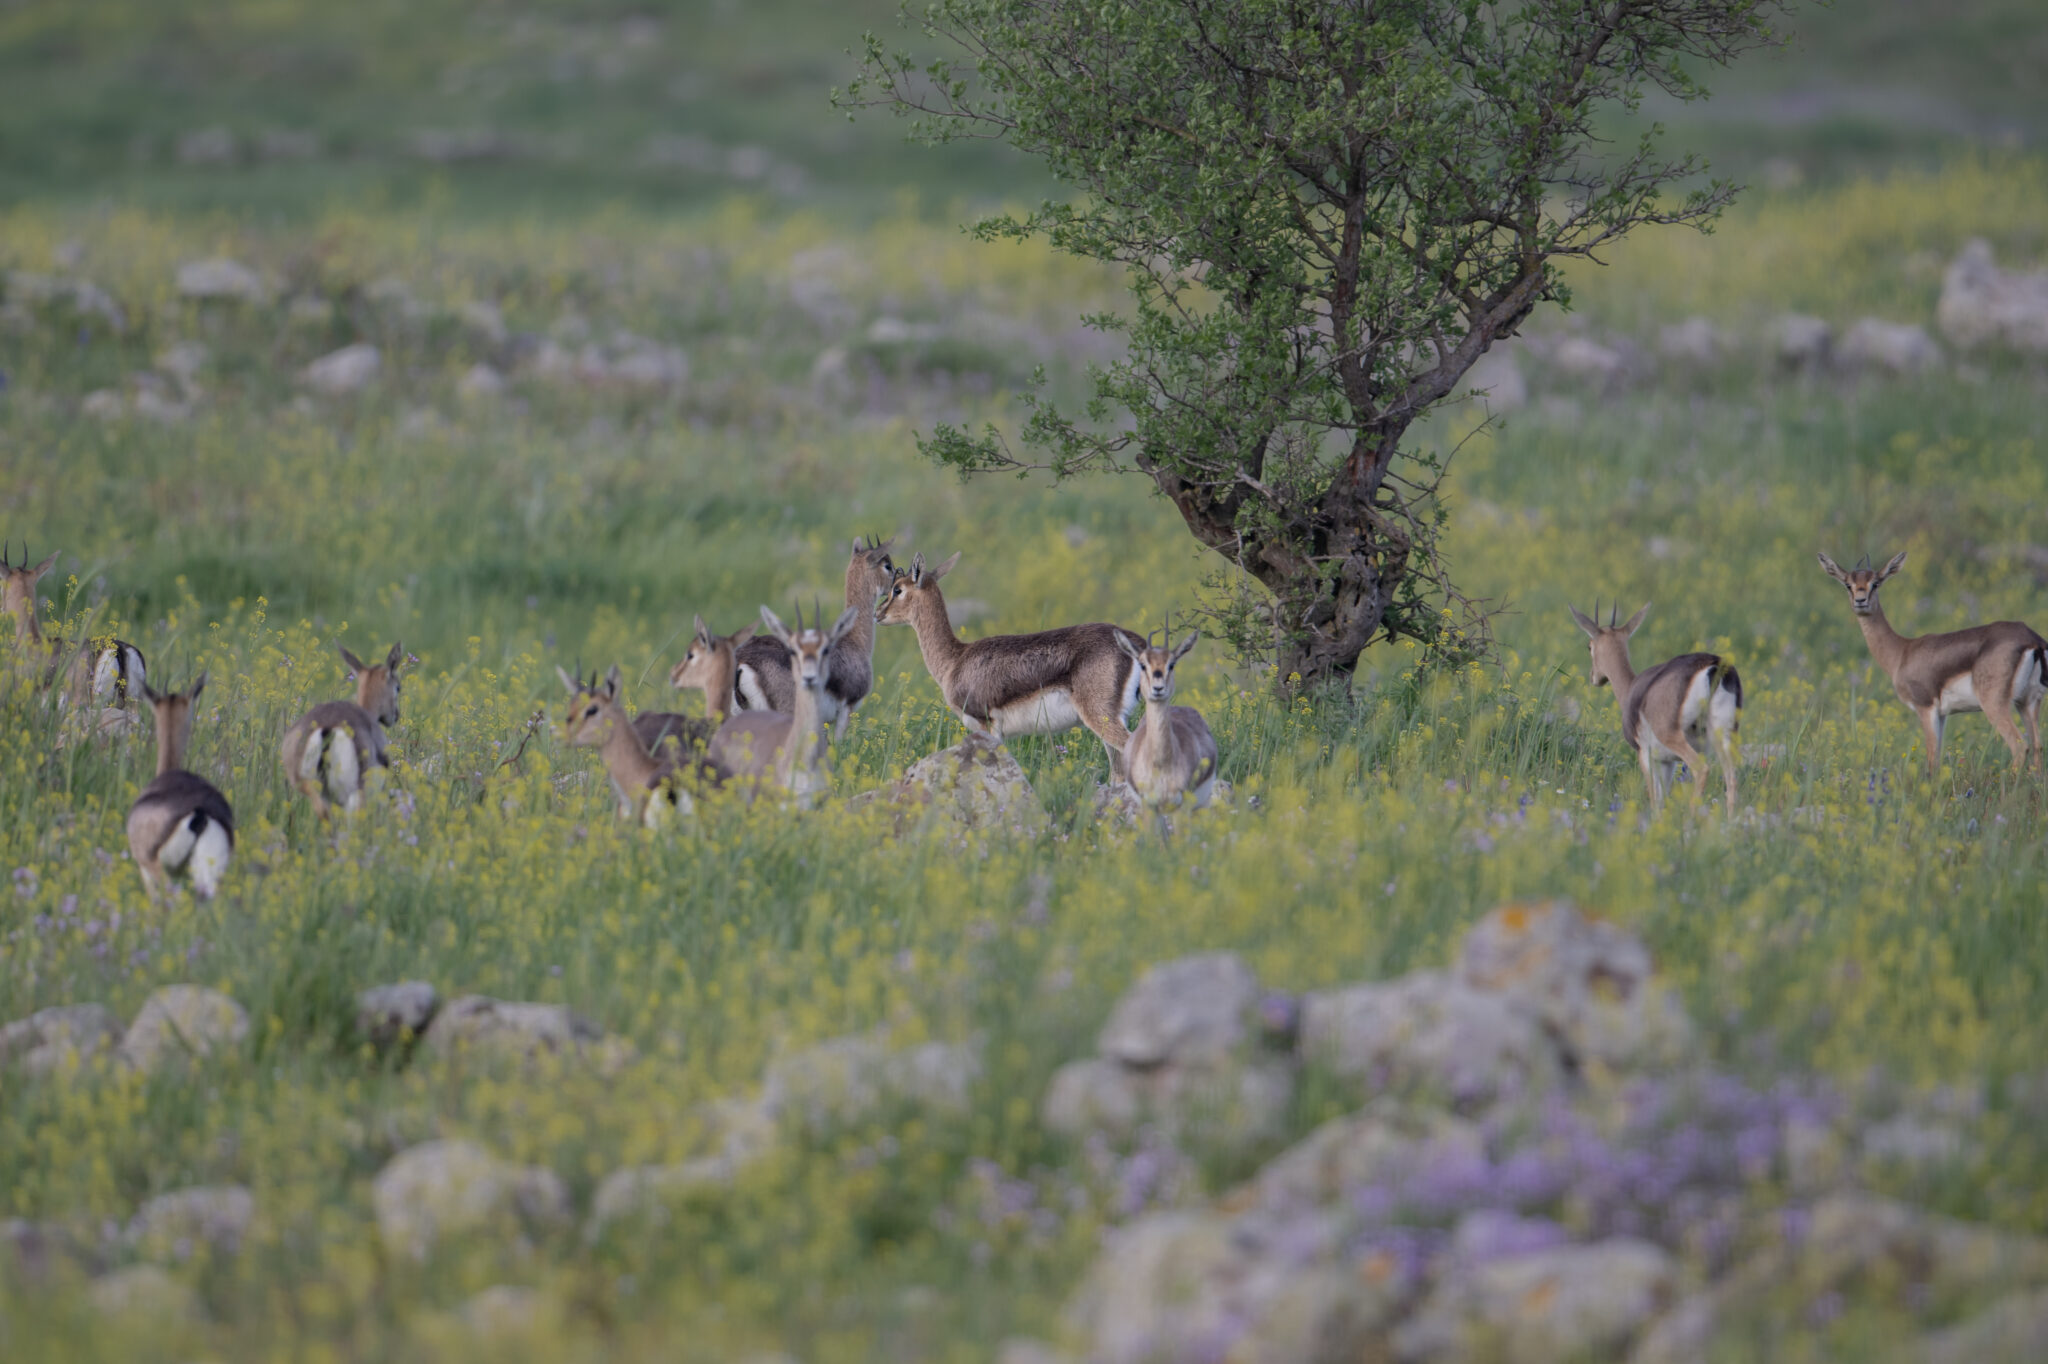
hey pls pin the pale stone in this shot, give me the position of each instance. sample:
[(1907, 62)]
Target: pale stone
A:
[(646, 1191), (1585, 358), (348, 370), (480, 381), (447, 1188), (1497, 380), (484, 320), (2013, 1330), (1896, 347), (851, 1079), (1802, 342), (183, 1021), (1984, 305), (506, 1310), (1912, 1141), (975, 785), (1025, 1350), (207, 147), (1429, 1030), (104, 404), (1093, 1095), (183, 360), (520, 1028), (1381, 1146), (60, 1036), (1192, 1010), (144, 1293), (220, 278), (1149, 1293), (1695, 341), (1573, 1302), (390, 1013), (175, 1224)]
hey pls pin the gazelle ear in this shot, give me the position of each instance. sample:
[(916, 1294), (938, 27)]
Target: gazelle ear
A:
[(740, 636), (1131, 649), (1834, 570), (568, 683), (395, 657), (1635, 622), (151, 694), (703, 631), (613, 681), (1579, 618), (355, 665), (943, 569), (45, 566), (1898, 561), (773, 624), (1180, 650), (917, 570), (843, 624), (198, 686)]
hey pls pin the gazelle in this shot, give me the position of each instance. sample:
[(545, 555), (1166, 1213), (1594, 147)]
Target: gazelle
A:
[(1999, 668), (106, 671), (764, 680), (709, 666), (790, 748), (331, 748), (1668, 710), (1021, 684), (1171, 755), (649, 783), (180, 826)]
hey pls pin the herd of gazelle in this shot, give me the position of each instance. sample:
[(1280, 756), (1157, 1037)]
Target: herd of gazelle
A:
[(771, 702)]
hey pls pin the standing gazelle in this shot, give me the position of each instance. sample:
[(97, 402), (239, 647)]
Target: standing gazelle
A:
[(180, 826), (101, 670), (1171, 755), (1666, 711), (1998, 668), (763, 680), (789, 748), (649, 782), (1021, 684), (709, 666), (330, 750)]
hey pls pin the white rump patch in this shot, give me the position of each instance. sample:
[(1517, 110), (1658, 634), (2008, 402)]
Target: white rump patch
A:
[(1722, 711), (1045, 712), (2027, 680), (746, 689), (1134, 686), (177, 849), (209, 861), (1692, 710), (106, 674)]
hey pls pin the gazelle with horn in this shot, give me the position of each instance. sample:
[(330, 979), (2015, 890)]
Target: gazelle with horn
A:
[(2000, 669), (710, 666), (1669, 710), (790, 748), (650, 783), (1171, 755), (1021, 684), (329, 751), (181, 827), (107, 671), (763, 679)]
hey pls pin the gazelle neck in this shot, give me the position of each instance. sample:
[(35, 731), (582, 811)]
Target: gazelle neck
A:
[(1887, 645), (935, 638), (1153, 737), (631, 766), (27, 629), (170, 749), (860, 636), (718, 692)]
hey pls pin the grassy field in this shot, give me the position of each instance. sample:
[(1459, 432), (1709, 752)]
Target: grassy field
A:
[(1857, 920)]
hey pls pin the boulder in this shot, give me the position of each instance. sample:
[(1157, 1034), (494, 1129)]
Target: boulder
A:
[(852, 1079), (1150, 1296), (214, 146), (387, 1014), (348, 370), (480, 381), (183, 1021), (50, 1038), (1584, 358), (103, 404), (32, 292), (1545, 1307), (975, 786), (1232, 1105), (183, 361), (144, 1293), (2013, 1330), (647, 1191), (1802, 342), (444, 1189), (503, 1310), (1588, 983), (480, 1023), (1695, 341), (220, 278), (1983, 305), (484, 321), (1383, 1146), (1430, 1031), (173, 1225), (1895, 347), (1196, 1009)]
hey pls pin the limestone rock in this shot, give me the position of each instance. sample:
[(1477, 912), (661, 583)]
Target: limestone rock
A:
[(183, 1021), (1589, 984), (1849, 1233), (1573, 1302), (1382, 1145), (50, 1038), (2013, 1330), (1230, 1104), (975, 785), (1896, 347), (852, 1079), (1695, 341), (348, 370), (1190, 1011), (506, 1026), (446, 1188), (103, 404), (1802, 342), (1149, 1297), (646, 1191), (484, 321), (173, 1225), (32, 292), (387, 1014), (1984, 305), (144, 1293), (503, 1310), (480, 381), (220, 278), (1429, 1030), (1584, 358)]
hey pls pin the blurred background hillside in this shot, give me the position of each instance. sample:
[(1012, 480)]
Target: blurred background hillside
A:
[(565, 105)]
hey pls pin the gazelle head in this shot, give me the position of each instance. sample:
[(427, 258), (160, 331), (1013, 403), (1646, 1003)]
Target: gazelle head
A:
[(870, 570), (810, 647), (593, 709), (1863, 581), (173, 711), (908, 586), (18, 588), (1609, 642), (377, 684), (708, 663), (1155, 662)]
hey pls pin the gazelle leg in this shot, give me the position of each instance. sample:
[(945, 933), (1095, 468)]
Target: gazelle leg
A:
[(1724, 745), (1650, 766), (2033, 716), (2008, 728), (1930, 727), (1114, 736)]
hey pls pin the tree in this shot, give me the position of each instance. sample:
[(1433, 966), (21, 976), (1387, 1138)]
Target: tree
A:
[(1328, 210)]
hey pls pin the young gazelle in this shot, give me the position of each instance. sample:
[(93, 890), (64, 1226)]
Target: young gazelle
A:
[(105, 671), (1666, 711), (789, 748), (180, 826), (650, 784), (709, 666), (1021, 684), (764, 680), (1171, 755), (1998, 669), (329, 751)]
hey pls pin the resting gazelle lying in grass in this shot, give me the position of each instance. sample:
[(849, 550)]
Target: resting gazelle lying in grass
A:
[(2000, 669), (330, 749), (102, 672), (651, 784), (1668, 710), (764, 680), (789, 749), (1171, 755), (180, 827)]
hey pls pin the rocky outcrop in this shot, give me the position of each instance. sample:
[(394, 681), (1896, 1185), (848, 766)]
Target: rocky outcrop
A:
[(348, 370), (1429, 1032), (508, 1027), (220, 278), (389, 1014), (1894, 347), (175, 1225), (446, 1189), (975, 786), (857, 1078), (181, 1022), (69, 1034), (1982, 305)]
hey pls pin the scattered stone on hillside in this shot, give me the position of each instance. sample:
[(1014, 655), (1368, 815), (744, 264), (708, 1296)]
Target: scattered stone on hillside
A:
[(1584, 358), (647, 1191), (446, 146), (309, 310), (1915, 1142), (1544, 1307), (1694, 341), (207, 147), (288, 144), (152, 403), (1984, 305), (2012, 1330), (852, 1079), (144, 1293), (388, 1014), (629, 362), (55, 1037), (33, 293), (975, 785), (394, 299), (183, 360), (1896, 347), (1802, 342), (483, 320), (220, 278), (183, 1021), (104, 404), (480, 381), (348, 370), (1384, 1145), (1193, 1010), (503, 1310), (514, 1027), (1590, 984), (447, 1188), (1429, 1031), (1496, 379), (175, 1225)]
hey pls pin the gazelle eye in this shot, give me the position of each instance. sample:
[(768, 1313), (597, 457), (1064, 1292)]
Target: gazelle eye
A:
[(588, 713)]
